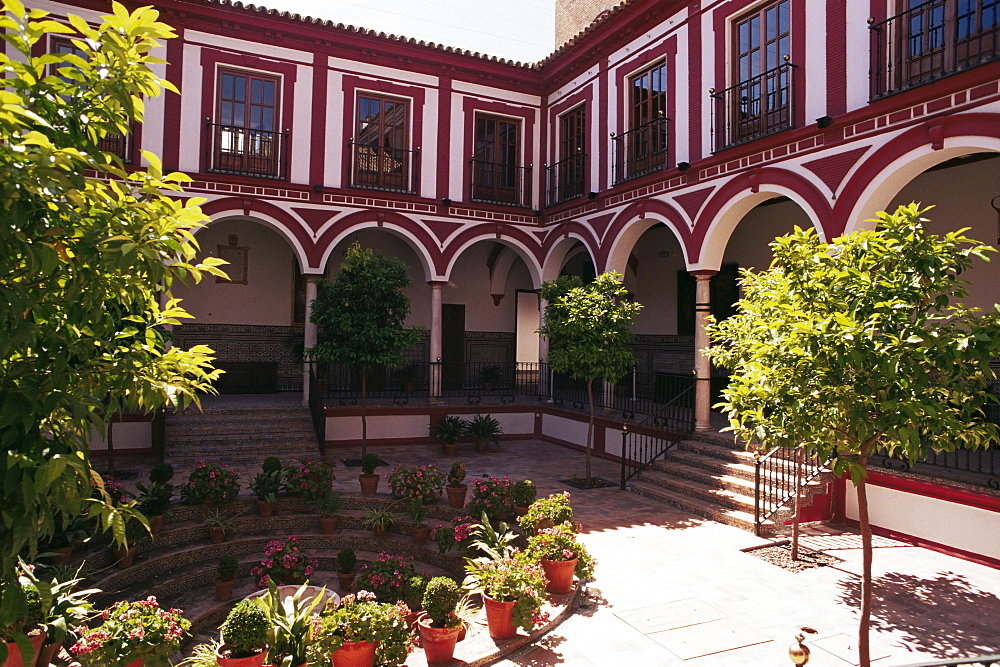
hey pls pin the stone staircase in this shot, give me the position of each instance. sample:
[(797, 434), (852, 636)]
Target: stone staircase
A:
[(712, 476), (239, 436)]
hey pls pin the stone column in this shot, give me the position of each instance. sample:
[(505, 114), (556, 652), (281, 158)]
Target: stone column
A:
[(309, 334), (702, 366), (435, 340)]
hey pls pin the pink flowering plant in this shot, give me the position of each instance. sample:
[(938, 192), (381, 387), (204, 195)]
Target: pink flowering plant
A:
[(116, 490), (419, 482), (561, 543), (459, 534), (284, 562), (210, 482), (493, 496), (311, 478), (386, 577), (131, 630), (360, 617), (547, 512), (511, 579)]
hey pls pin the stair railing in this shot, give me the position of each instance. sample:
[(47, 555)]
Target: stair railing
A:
[(775, 471), (658, 434), (317, 410)]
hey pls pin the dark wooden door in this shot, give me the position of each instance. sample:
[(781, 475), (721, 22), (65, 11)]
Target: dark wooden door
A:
[(452, 346)]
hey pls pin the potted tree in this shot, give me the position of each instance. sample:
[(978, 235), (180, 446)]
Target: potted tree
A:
[(455, 488), (449, 430), (524, 493), (439, 625), (328, 506), (368, 478), (379, 521), (418, 518), (347, 567), (227, 577), (244, 636), (217, 525), (485, 430), (489, 377)]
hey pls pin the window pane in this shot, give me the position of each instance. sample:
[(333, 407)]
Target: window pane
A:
[(256, 92)]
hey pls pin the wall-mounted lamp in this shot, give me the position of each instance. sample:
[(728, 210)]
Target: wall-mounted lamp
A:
[(824, 122), (591, 195), (683, 166), (446, 202), (996, 207), (317, 188), (538, 212)]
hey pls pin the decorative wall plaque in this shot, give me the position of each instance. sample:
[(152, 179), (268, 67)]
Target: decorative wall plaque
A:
[(236, 255)]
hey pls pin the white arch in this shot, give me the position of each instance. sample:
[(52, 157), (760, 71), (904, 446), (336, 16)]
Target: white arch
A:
[(515, 245), (721, 228), (898, 174), (558, 254), (625, 242), (411, 240), (265, 221)]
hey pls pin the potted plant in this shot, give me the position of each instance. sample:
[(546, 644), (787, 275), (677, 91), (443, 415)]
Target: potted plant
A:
[(368, 478), (439, 625), (25, 636), (512, 593), (328, 506), (154, 500), (217, 524), (227, 577), (524, 493), (379, 520), (271, 464), (290, 618), (449, 430), (202, 655), (492, 496), (347, 563), (413, 596), (547, 512), (284, 562), (489, 377), (125, 553), (485, 430), (63, 542), (406, 376), (67, 608), (131, 632), (423, 482), (386, 577), (561, 556), (244, 636), (418, 522), (210, 483), (361, 632), (311, 478), (455, 488), (266, 486)]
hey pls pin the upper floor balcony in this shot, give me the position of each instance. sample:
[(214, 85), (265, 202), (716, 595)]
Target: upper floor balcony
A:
[(245, 151), (642, 150), (500, 183), (384, 168), (754, 108), (566, 179), (931, 40)]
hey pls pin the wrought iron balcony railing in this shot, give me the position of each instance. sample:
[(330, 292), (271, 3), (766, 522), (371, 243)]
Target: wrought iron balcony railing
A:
[(931, 40), (383, 168), (566, 179), (501, 183), (642, 150), (754, 108), (117, 144), (247, 152)]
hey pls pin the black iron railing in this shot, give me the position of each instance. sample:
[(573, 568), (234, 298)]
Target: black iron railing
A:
[(754, 108), (247, 152), (317, 410), (116, 144), (566, 179), (979, 467), (650, 440), (983, 660), (383, 168), (774, 481), (667, 399), (642, 150), (929, 41), (500, 183)]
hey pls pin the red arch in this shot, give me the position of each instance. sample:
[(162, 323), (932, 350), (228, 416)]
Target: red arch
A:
[(379, 217), (639, 209), (565, 229), (250, 206), (487, 232)]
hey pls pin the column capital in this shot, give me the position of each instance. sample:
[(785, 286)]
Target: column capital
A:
[(703, 273), (437, 284)]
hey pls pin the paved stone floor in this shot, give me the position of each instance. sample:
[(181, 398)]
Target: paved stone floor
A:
[(675, 589)]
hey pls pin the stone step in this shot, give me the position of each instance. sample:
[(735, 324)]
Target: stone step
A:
[(711, 492), (735, 476), (709, 510)]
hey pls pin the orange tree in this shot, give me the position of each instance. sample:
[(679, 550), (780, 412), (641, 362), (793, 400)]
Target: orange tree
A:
[(88, 255), (860, 345)]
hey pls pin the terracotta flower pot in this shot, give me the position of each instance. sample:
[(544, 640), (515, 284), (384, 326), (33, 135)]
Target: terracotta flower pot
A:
[(520, 511), (328, 524), (379, 532), (48, 654), (559, 574), (224, 589), (14, 652), (346, 581), (354, 654), (481, 446), (156, 524), (500, 618), (369, 485), (456, 495), (217, 534), (439, 643), (265, 509), (449, 450), (255, 660), (124, 557), (65, 553), (135, 663), (419, 534)]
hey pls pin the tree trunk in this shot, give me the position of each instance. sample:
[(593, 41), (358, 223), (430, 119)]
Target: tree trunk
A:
[(364, 419), (864, 656), (590, 426), (798, 503)]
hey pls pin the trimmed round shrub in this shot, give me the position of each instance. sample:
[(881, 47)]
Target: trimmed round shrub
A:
[(440, 598), (245, 629)]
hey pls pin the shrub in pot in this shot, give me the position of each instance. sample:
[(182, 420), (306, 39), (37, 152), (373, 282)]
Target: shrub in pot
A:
[(116, 642), (271, 464), (368, 479), (484, 430), (439, 625), (561, 555), (347, 565), (455, 487), (244, 636), (226, 577), (418, 522), (413, 592), (386, 577), (361, 625), (492, 496), (328, 506), (449, 430), (524, 493), (24, 637)]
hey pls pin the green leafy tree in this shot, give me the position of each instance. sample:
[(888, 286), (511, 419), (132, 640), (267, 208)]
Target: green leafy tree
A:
[(589, 332), (858, 345), (361, 315), (79, 233)]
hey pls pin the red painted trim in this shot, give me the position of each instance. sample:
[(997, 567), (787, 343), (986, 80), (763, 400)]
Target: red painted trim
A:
[(970, 556), (292, 224), (488, 232), (636, 210), (696, 96), (317, 154), (799, 35), (603, 133), (951, 494), (836, 57), (388, 220), (444, 146), (172, 105)]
